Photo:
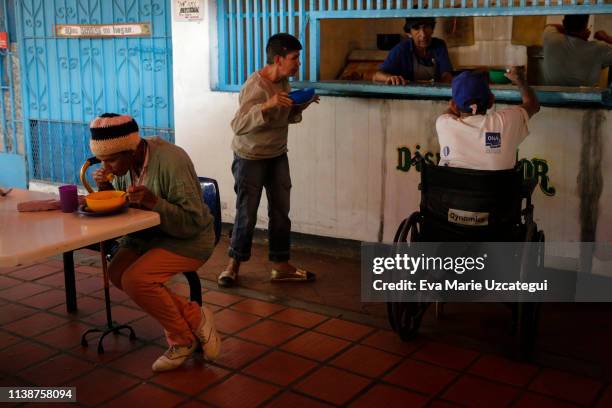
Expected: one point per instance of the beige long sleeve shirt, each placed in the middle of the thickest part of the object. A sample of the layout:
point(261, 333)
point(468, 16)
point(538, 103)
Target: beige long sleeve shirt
point(259, 135)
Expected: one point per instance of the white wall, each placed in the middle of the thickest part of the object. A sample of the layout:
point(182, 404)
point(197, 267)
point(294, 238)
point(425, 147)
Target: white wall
point(343, 155)
point(201, 117)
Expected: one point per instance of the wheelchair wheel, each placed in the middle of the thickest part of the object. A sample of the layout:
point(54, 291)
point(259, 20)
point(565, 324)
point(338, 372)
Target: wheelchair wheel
point(410, 225)
point(528, 312)
point(405, 317)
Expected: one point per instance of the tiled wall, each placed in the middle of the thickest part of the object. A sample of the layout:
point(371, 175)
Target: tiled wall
point(340, 37)
point(493, 45)
point(602, 22)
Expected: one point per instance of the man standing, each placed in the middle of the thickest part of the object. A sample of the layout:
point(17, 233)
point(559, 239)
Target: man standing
point(260, 127)
point(420, 58)
point(570, 59)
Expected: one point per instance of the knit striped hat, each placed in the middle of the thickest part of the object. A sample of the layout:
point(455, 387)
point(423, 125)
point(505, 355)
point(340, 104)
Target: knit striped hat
point(112, 133)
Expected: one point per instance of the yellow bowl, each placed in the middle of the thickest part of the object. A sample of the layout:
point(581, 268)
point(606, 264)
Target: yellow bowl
point(105, 200)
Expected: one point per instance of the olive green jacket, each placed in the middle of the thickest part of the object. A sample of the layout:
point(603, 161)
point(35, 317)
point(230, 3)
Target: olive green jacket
point(187, 227)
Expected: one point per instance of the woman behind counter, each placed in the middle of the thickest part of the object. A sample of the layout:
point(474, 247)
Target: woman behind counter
point(421, 57)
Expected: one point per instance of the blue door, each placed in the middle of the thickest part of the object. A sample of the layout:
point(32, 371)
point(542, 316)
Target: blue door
point(66, 82)
point(12, 140)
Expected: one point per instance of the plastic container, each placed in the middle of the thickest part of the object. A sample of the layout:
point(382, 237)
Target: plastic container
point(105, 200)
point(69, 198)
point(496, 76)
point(301, 96)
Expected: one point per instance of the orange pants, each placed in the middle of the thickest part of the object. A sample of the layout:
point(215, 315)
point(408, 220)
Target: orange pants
point(142, 278)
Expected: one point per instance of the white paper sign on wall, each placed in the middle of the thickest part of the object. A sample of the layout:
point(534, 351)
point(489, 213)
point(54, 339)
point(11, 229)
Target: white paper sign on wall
point(188, 10)
point(103, 30)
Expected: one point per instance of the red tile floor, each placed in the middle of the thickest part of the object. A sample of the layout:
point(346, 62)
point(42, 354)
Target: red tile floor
point(304, 345)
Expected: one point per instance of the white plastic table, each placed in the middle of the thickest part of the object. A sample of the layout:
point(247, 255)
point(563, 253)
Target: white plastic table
point(28, 237)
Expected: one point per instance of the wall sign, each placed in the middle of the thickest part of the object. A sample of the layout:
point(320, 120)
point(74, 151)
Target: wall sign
point(103, 30)
point(188, 10)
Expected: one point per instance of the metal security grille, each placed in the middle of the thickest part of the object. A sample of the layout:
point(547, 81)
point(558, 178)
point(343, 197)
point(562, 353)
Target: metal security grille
point(12, 140)
point(69, 81)
point(60, 148)
point(245, 25)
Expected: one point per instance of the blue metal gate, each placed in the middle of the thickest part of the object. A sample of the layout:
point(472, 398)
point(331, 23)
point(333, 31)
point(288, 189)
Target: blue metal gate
point(12, 145)
point(66, 82)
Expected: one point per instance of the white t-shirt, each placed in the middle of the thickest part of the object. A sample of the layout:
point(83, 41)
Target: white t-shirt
point(482, 142)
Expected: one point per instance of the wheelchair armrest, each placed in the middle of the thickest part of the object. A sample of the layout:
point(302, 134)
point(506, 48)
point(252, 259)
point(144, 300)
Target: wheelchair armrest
point(529, 186)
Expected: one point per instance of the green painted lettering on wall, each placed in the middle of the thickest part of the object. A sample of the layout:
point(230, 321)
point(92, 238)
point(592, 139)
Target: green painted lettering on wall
point(403, 158)
point(538, 169)
point(534, 168)
point(407, 159)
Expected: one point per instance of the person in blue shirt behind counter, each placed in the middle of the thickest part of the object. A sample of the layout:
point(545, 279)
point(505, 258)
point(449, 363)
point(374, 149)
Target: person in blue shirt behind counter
point(421, 57)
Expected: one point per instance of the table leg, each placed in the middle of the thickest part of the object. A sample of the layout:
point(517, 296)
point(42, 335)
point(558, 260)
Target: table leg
point(109, 318)
point(71, 301)
point(111, 327)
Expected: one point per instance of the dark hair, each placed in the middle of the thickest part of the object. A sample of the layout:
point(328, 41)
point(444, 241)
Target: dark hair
point(574, 23)
point(412, 22)
point(281, 44)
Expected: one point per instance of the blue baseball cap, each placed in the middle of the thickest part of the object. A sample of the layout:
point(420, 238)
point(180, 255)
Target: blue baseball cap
point(470, 86)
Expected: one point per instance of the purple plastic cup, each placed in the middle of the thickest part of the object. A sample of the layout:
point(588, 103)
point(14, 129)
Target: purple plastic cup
point(69, 198)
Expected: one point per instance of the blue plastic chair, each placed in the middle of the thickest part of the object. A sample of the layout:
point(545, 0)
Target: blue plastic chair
point(210, 195)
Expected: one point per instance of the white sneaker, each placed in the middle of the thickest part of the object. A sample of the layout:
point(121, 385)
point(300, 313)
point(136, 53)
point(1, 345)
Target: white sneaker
point(173, 357)
point(206, 332)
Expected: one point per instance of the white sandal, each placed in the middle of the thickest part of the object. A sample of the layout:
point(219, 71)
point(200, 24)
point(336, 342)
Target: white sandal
point(227, 279)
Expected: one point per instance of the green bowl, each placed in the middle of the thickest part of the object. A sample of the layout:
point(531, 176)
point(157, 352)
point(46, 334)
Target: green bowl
point(496, 76)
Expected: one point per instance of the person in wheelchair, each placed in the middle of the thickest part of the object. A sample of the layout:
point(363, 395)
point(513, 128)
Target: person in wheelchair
point(472, 137)
point(158, 176)
point(476, 192)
